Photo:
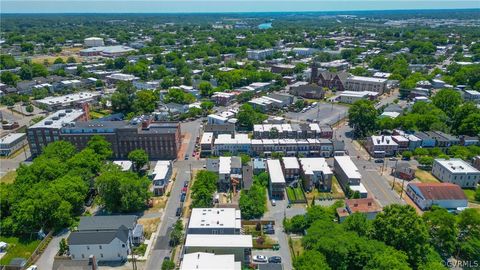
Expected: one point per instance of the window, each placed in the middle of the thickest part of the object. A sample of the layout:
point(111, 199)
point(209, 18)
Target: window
point(101, 255)
point(100, 246)
point(88, 247)
point(123, 245)
point(83, 256)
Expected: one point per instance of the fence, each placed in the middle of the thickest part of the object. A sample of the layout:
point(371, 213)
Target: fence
point(39, 250)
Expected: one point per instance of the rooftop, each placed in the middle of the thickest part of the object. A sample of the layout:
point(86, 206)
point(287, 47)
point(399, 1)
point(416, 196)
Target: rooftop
point(290, 163)
point(365, 205)
point(209, 261)
point(439, 191)
point(162, 167)
point(313, 165)
point(456, 165)
point(383, 140)
point(275, 171)
point(11, 137)
point(58, 119)
point(215, 218)
point(219, 240)
point(103, 223)
point(348, 167)
point(67, 99)
point(98, 237)
point(367, 79)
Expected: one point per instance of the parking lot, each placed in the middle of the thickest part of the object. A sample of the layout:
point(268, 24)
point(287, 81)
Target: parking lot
point(328, 113)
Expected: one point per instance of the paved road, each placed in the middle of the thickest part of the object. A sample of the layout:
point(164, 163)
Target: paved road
point(161, 249)
point(46, 259)
point(376, 183)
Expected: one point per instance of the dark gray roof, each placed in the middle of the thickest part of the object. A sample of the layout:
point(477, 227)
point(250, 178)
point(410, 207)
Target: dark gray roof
point(236, 162)
point(98, 237)
point(247, 176)
point(105, 223)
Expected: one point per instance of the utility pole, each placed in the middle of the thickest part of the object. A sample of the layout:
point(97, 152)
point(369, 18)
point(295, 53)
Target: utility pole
point(395, 171)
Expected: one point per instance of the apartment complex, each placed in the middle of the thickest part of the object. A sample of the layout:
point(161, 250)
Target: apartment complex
point(315, 172)
point(359, 83)
point(12, 142)
point(381, 146)
point(214, 221)
point(292, 131)
point(456, 171)
point(277, 179)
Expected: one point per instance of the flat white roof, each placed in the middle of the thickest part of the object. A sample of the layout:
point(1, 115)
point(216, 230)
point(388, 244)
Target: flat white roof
point(456, 165)
point(360, 188)
point(162, 167)
point(217, 117)
point(209, 261)
point(366, 79)
point(124, 164)
point(215, 218)
point(275, 171)
point(57, 119)
point(219, 240)
point(312, 165)
point(207, 138)
point(11, 137)
point(66, 99)
point(237, 139)
point(290, 163)
point(225, 165)
point(383, 140)
point(348, 167)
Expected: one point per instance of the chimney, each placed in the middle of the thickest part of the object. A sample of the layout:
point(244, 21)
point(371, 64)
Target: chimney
point(86, 110)
point(92, 262)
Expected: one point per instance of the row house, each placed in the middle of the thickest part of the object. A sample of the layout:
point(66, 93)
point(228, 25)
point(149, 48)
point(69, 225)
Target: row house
point(381, 146)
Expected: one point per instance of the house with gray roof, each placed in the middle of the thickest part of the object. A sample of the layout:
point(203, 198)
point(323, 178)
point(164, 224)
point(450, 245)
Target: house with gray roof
point(108, 238)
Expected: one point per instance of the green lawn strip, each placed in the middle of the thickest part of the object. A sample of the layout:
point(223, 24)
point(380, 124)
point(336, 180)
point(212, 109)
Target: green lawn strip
point(18, 248)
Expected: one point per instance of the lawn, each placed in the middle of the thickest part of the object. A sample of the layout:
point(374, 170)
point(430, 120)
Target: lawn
point(9, 177)
point(470, 193)
point(296, 246)
point(425, 177)
point(295, 194)
point(18, 248)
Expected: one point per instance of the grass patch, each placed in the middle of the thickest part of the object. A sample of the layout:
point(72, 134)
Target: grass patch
point(18, 248)
point(425, 177)
point(96, 115)
point(297, 247)
point(470, 193)
point(295, 194)
point(149, 225)
point(9, 177)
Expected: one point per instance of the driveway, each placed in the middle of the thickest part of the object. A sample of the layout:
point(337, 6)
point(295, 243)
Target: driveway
point(46, 259)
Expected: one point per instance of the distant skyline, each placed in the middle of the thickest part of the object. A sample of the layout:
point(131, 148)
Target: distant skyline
point(220, 6)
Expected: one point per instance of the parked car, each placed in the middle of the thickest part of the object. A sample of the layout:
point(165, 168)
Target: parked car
point(392, 159)
point(179, 211)
point(183, 197)
point(260, 258)
point(275, 259)
point(379, 161)
point(269, 229)
point(274, 203)
point(32, 267)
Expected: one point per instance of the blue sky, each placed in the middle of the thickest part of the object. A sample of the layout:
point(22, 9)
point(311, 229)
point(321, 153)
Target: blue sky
point(195, 6)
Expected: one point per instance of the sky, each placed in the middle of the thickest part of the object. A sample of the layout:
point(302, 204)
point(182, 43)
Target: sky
point(218, 6)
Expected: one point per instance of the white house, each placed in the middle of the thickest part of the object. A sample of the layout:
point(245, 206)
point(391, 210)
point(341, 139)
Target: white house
point(209, 261)
point(214, 221)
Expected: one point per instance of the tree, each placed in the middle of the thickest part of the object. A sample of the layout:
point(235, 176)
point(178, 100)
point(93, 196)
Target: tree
point(26, 72)
point(311, 260)
point(29, 108)
point(59, 60)
point(358, 223)
point(122, 191)
point(400, 227)
point(407, 155)
point(100, 146)
point(9, 78)
point(176, 235)
point(297, 224)
point(139, 158)
point(253, 202)
point(205, 88)
point(145, 101)
point(442, 228)
point(362, 116)
point(247, 116)
point(39, 70)
point(203, 188)
point(447, 100)
point(426, 161)
point(477, 195)
point(63, 246)
point(168, 265)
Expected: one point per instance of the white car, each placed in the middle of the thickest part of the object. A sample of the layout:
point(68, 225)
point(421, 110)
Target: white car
point(260, 258)
point(32, 267)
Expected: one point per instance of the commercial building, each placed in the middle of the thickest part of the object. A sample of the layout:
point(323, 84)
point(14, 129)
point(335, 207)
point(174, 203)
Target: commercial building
point(221, 244)
point(351, 97)
point(367, 206)
point(271, 101)
point(238, 143)
point(456, 171)
point(445, 195)
point(67, 101)
point(48, 130)
point(223, 98)
point(283, 68)
point(359, 83)
point(303, 89)
point(259, 54)
point(292, 131)
point(160, 140)
point(224, 221)
point(107, 51)
point(206, 144)
point(161, 176)
point(209, 261)
point(12, 142)
point(120, 77)
point(381, 146)
point(93, 42)
point(316, 173)
point(277, 179)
